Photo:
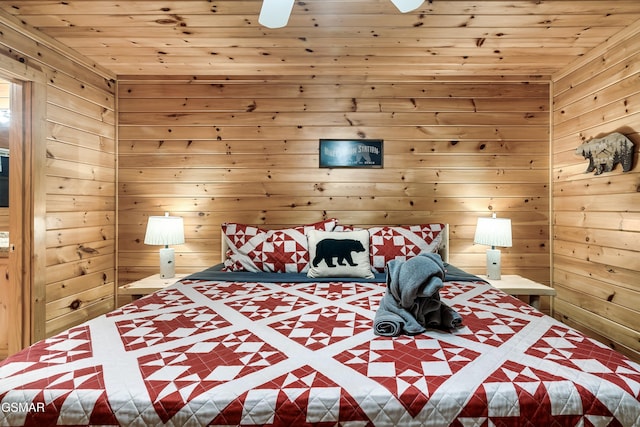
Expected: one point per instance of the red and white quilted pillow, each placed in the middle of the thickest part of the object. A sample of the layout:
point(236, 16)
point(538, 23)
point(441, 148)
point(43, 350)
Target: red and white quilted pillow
point(275, 251)
point(402, 242)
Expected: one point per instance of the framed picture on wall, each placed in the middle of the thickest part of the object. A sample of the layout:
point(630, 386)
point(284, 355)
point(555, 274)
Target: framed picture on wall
point(351, 153)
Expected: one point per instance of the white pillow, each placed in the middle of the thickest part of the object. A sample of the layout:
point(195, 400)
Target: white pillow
point(339, 254)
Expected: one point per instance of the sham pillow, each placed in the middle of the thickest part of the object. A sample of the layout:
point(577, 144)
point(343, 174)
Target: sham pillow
point(402, 242)
point(339, 254)
point(274, 251)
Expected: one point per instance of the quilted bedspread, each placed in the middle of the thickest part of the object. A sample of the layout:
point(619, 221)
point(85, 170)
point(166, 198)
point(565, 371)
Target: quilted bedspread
point(207, 352)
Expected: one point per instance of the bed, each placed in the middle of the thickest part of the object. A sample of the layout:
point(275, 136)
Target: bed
point(285, 349)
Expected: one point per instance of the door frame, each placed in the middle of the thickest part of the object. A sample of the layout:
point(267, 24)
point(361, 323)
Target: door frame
point(27, 204)
point(16, 295)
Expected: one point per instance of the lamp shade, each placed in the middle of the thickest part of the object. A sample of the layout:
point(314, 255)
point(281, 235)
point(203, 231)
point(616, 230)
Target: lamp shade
point(493, 232)
point(164, 230)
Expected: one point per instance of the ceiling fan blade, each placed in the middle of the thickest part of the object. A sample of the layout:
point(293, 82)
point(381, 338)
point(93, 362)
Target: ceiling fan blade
point(405, 6)
point(275, 13)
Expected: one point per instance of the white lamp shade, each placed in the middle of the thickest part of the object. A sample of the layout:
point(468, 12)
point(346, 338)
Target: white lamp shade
point(405, 6)
point(275, 13)
point(164, 230)
point(493, 232)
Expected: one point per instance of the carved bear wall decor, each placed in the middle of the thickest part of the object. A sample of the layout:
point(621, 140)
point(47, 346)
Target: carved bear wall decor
point(606, 152)
point(328, 249)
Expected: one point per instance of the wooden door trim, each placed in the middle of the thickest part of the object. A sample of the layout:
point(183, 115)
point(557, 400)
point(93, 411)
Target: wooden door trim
point(16, 295)
point(36, 159)
point(27, 229)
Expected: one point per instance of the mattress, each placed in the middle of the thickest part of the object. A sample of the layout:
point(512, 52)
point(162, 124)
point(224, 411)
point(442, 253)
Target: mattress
point(220, 351)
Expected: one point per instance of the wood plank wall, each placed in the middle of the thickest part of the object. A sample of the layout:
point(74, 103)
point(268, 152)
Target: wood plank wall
point(80, 194)
point(246, 150)
point(597, 218)
point(81, 198)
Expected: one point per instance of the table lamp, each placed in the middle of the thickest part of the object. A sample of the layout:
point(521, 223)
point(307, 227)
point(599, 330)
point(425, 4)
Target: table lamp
point(165, 230)
point(493, 232)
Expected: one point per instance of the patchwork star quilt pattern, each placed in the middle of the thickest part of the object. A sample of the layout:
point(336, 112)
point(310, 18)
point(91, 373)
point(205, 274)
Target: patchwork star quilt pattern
point(211, 352)
point(255, 249)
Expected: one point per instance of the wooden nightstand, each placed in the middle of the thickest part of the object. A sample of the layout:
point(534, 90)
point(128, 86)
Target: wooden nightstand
point(148, 285)
point(518, 285)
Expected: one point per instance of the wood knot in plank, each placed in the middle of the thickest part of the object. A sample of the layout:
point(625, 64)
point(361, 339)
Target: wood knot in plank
point(88, 250)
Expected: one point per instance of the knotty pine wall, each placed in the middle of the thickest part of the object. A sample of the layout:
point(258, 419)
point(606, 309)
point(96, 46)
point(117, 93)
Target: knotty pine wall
point(75, 199)
point(597, 218)
point(81, 199)
point(246, 150)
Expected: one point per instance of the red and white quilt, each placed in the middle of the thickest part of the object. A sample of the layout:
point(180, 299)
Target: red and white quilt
point(292, 354)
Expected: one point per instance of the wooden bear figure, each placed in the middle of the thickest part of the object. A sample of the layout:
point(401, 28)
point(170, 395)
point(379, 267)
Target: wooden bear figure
point(606, 152)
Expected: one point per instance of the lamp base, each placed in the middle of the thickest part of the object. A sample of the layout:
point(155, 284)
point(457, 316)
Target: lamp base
point(493, 264)
point(167, 263)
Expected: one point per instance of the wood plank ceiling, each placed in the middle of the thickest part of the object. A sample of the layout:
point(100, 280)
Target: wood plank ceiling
point(329, 37)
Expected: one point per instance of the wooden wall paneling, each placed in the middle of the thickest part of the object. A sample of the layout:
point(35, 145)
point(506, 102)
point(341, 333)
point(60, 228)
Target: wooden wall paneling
point(597, 218)
point(80, 179)
point(74, 206)
point(246, 150)
point(4, 219)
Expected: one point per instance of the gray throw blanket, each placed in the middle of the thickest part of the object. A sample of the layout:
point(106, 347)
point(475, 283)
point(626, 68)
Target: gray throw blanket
point(411, 303)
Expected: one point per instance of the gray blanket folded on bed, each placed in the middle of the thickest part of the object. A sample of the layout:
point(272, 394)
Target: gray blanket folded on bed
point(411, 303)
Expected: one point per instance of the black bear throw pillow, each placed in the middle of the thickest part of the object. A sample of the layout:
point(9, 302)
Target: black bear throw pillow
point(339, 254)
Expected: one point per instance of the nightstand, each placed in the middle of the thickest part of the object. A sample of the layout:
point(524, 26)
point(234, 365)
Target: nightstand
point(518, 285)
point(148, 285)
